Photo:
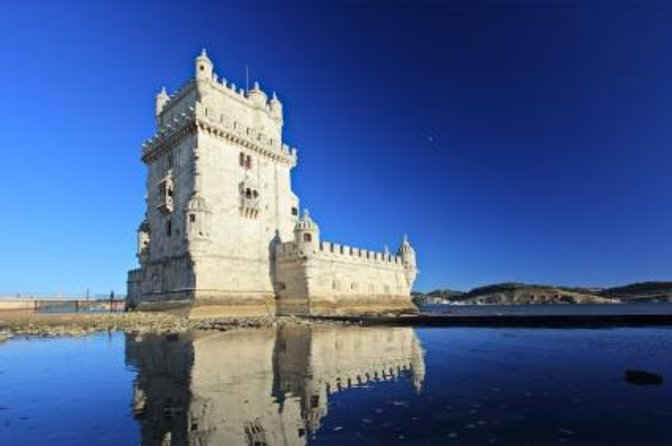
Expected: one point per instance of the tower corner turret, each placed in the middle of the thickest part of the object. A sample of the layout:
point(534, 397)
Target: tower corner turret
point(204, 67)
point(276, 108)
point(257, 97)
point(407, 254)
point(307, 233)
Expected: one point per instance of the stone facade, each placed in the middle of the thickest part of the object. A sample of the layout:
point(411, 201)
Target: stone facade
point(222, 225)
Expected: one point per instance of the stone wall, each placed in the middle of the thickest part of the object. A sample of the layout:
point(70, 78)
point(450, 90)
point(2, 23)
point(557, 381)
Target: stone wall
point(328, 278)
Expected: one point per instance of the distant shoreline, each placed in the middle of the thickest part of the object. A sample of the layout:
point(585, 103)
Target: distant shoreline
point(514, 293)
point(31, 324)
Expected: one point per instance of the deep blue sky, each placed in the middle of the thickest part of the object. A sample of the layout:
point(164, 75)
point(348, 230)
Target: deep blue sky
point(522, 141)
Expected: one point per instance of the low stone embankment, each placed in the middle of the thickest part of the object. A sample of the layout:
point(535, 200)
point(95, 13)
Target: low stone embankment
point(19, 323)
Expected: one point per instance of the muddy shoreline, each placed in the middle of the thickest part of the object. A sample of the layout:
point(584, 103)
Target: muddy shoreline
point(28, 323)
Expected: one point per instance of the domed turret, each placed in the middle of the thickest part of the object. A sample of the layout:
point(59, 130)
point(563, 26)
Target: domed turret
point(161, 99)
point(306, 231)
point(143, 242)
point(204, 66)
point(197, 216)
point(257, 97)
point(276, 108)
point(407, 254)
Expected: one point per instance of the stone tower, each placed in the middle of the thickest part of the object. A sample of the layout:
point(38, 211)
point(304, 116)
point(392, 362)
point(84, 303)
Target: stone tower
point(222, 227)
point(218, 190)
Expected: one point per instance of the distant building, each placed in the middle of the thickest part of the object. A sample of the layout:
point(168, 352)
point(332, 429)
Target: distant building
point(222, 225)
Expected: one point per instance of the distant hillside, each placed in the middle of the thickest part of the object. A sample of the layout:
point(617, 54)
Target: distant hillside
point(644, 291)
point(521, 293)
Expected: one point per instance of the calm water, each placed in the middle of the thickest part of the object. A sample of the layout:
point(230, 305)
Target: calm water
point(550, 309)
point(339, 385)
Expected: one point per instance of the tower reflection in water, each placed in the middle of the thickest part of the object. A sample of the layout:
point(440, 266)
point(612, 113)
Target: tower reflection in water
point(259, 386)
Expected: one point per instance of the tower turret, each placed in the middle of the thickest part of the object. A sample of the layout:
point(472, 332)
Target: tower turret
point(257, 97)
point(407, 254)
point(161, 99)
point(197, 216)
point(143, 242)
point(307, 233)
point(204, 66)
point(276, 108)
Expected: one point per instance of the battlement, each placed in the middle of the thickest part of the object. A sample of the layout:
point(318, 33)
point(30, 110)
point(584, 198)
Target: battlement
point(222, 86)
point(334, 250)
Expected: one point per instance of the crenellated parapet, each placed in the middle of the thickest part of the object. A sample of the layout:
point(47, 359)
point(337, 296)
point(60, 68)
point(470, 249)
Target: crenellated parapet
point(336, 251)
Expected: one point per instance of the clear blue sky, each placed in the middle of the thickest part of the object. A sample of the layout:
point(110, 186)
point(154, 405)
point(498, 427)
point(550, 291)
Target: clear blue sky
point(523, 141)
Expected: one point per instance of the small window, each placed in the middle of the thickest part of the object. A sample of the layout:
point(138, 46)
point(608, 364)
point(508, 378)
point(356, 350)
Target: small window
point(295, 211)
point(169, 228)
point(201, 67)
point(248, 162)
point(192, 218)
point(241, 159)
point(307, 237)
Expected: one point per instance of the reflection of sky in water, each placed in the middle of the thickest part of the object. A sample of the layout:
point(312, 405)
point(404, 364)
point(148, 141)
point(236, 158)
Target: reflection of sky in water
point(66, 391)
point(480, 385)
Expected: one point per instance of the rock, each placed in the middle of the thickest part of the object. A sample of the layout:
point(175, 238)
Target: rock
point(643, 378)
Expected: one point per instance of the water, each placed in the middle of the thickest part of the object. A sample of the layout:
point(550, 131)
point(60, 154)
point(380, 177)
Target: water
point(631, 309)
point(339, 385)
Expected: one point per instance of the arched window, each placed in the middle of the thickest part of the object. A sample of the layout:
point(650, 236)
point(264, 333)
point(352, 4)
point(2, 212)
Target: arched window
point(248, 162)
point(307, 238)
point(242, 159)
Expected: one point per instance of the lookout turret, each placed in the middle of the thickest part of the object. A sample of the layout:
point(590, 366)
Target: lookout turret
point(161, 99)
point(204, 67)
point(306, 232)
point(407, 254)
point(257, 97)
point(276, 108)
